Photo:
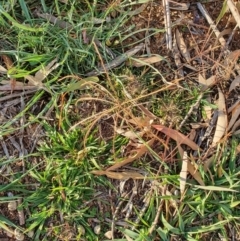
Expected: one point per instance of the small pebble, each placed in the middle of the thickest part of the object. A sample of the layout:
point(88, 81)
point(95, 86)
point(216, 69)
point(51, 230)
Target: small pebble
point(108, 235)
point(18, 235)
point(30, 234)
point(97, 229)
point(12, 206)
point(81, 230)
point(176, 192)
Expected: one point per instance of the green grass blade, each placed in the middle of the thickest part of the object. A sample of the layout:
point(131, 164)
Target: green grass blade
point(215, 188)
point(25, 10)
point(18, 25)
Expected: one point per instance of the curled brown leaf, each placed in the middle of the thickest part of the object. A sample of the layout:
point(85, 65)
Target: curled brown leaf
point(177, 136)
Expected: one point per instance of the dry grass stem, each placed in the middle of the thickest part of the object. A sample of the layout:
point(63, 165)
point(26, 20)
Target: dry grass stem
point(211, 23)
point(234, 11)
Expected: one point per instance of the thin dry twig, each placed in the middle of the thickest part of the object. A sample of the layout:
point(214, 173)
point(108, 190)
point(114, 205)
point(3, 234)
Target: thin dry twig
point(211, 23)
point(20, 213)
point(207, 133)
point(192, 109)
point(167, 21)
point(21, 94)
point(124, 196)
point(156, 219)
point(146, 201)
point(234, 11)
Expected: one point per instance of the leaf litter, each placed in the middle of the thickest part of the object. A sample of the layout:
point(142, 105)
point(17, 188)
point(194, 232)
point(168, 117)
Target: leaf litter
point(222, 119)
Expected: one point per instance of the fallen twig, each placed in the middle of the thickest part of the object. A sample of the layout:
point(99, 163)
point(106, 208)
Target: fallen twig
point(157, 217)
point(167, 21)
point(21, 94)
point(208, 131)
point(211, 23)
point(234, 11)
point(20, 213)
point(192, 109)
point(124, 196)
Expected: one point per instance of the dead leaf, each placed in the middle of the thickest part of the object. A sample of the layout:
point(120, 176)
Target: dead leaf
point(208, 163)
point(224, 32)
point(141, 122)
point(235, 115)
point(235, 126)
point(147, 112)
point(9, 64)
point(236, 132)
point(139, 62)
point(192, 134)
point(182, 46)
point(42, 73)
point(206, 83)
point(222, 119)
point(3, 70)
point(190, 67)
point(230, 109)
point(177, 56)
point(230, 62)
point(235, 83)
point(144, 148)
point(130, 134)
point(120, 175)
point(177, 136)
point(211, 81)
point(232, 57)
point(184, 172)
point(195, 174)
point(201, 80)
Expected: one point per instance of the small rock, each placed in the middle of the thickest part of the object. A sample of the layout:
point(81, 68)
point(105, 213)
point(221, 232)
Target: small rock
point(108, 235)
point(12, 206)
point(18, 235)
point(97, 229)
point(176, 192)
point(30, 234)
point(81, 230)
